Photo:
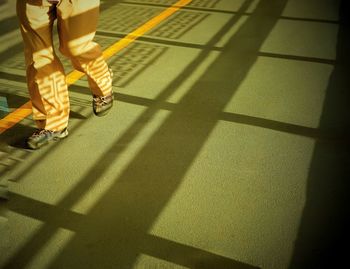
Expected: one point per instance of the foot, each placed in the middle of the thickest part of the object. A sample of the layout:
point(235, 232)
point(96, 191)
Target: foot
point(42, 137)
point(102, 104)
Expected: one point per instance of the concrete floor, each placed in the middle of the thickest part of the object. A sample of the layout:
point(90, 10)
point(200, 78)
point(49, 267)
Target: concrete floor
point(227, 147)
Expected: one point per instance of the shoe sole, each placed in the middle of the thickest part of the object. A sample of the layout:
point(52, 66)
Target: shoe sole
point(56, 138)
point(62, 135)
point(104, 112)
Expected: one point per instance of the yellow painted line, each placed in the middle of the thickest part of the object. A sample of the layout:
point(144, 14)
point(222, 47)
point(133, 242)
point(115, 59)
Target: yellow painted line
point(16, 116)
point(25, 110)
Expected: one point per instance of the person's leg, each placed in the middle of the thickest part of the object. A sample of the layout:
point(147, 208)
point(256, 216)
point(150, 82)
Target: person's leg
point(45, 75)
point(77, 22)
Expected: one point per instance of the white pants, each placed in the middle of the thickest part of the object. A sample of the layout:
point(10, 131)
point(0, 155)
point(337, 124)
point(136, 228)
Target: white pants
point(76, 25)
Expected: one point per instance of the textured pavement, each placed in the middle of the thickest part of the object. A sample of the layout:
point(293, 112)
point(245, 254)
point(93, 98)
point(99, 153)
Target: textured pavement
point(227, 147)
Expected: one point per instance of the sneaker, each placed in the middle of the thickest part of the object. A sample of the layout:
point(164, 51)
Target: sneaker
point(102, 104)
point(42, 137)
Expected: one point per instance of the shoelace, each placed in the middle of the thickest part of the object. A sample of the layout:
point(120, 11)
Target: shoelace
point(40, 132)
point(56, 1)
point(102, 100)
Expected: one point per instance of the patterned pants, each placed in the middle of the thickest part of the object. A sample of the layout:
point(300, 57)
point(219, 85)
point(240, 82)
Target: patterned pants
point(76, 26)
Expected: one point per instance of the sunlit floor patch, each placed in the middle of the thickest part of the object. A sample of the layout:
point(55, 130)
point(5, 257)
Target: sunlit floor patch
point(237, 205)
point(51, 249)
point(144, 262)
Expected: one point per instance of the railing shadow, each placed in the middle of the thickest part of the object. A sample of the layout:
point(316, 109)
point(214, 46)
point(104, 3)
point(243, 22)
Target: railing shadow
point(326, 181)
point(118, 223)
